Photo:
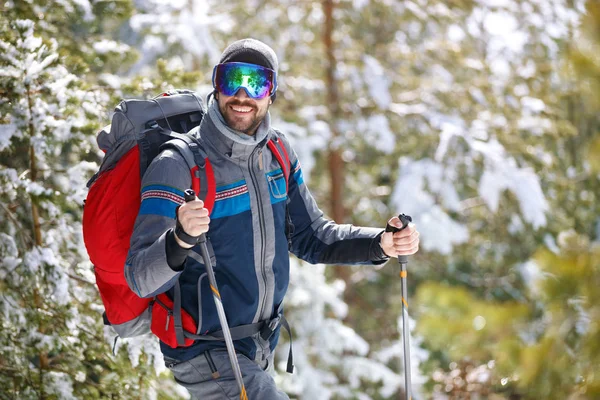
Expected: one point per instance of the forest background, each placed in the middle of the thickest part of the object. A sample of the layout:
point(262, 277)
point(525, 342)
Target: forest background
point(477, 117)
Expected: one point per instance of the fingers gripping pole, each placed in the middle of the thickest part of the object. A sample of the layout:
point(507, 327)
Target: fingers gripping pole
point(190, 195)
point(403, 261)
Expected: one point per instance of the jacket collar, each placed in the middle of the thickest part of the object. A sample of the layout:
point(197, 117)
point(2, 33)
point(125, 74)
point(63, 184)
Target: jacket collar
point(228, 142)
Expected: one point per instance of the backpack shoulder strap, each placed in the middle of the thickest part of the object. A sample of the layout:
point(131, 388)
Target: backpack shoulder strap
point(279, 151)
point(277, 147)
point(202, 174)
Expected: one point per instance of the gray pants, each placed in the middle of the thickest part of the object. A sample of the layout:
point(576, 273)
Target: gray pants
point(210, 377)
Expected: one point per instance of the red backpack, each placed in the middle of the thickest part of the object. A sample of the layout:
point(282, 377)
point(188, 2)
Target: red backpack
point(140, 129)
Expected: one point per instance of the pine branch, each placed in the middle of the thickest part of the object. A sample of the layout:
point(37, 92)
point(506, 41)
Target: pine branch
point(26, 239)
point(15, 373)
point(79, 279)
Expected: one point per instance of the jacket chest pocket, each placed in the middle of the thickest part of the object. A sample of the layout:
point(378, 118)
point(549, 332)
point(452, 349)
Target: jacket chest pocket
point(277, 186)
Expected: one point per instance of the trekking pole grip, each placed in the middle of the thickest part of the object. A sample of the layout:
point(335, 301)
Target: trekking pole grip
point(189, 195)
point(405, 219)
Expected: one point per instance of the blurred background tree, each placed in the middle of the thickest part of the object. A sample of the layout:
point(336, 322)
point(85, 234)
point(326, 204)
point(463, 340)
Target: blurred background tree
point(551, 125)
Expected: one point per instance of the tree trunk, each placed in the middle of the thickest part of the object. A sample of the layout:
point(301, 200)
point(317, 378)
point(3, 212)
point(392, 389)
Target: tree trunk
point(37, 238)
point(35, 216)
point(335, 162)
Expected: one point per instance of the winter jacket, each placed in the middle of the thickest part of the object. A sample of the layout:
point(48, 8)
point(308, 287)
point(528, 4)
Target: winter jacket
point(247, 235)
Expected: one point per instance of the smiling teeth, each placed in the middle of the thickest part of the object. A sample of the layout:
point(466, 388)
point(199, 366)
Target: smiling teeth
point(242, 109)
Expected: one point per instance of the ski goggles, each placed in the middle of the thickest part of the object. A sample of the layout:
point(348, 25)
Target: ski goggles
point(258, 82)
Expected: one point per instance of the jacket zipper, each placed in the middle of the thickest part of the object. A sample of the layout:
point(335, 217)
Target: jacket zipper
point(275, 177)
point(261, 224)
point(169, 313)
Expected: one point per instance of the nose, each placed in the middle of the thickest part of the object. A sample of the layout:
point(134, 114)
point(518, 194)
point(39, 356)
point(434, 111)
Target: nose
point(241, 93)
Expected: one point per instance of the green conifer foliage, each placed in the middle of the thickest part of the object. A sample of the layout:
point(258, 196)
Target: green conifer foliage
point(53, 344)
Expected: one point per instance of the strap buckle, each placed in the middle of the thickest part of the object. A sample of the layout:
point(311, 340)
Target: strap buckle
point(269, 328)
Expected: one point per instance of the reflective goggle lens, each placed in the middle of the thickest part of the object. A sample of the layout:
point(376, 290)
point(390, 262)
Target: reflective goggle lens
point(259, 82)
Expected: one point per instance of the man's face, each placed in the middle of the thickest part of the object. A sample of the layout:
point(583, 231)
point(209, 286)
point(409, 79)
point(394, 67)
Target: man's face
point(242, 112)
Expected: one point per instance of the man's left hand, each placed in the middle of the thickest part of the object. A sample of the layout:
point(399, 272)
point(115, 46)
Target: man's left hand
point(402, 243)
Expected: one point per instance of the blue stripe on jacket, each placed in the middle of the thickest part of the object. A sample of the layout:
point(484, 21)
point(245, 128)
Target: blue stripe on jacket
point(297, 173)
point(164, 202)
point(230, 205)
point(166, 208)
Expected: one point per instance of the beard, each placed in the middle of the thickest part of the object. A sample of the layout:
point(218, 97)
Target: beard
point(244, 122)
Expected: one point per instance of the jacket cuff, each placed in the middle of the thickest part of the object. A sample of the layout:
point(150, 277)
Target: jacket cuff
point(176, 254)
point(376, 253)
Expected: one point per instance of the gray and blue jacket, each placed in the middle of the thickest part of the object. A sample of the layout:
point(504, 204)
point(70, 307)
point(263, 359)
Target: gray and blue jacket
point(247, 235)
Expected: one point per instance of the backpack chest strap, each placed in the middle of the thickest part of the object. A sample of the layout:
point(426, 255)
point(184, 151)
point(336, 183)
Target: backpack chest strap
point(201, 171)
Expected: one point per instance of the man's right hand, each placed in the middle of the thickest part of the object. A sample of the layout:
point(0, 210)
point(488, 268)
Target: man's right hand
point(194, 220)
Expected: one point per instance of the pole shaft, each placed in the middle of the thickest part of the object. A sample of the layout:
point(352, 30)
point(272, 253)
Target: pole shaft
point(405, 332)
point(223, 319)
point(403, 261)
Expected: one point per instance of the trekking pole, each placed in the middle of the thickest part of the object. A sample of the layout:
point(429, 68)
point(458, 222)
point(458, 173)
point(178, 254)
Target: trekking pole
point(190, 195)
point(403, 260)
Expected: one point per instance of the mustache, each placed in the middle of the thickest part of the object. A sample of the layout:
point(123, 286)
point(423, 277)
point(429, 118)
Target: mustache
point(240, 103)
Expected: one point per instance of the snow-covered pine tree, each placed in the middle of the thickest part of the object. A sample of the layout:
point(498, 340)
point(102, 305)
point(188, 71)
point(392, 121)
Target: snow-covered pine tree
point(332, 360)
point(52, 338)
point(44, 334)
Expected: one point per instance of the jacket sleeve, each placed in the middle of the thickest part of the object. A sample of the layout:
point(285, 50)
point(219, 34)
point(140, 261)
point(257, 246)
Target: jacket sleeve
point(317, 239)
point(147, 269)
